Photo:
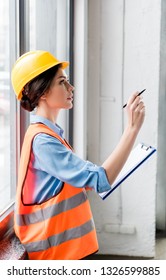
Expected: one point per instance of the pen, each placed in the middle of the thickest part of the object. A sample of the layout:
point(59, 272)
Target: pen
point(137, 95)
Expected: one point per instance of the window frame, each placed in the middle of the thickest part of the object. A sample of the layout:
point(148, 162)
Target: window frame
point(6, 213)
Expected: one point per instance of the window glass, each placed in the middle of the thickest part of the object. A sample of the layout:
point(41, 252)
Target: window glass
point(49, 26)
point(9, 118)
point(5, 193)
point(49, 30)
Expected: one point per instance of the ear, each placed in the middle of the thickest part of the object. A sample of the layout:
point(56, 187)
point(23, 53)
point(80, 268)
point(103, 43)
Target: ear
point(43, 97)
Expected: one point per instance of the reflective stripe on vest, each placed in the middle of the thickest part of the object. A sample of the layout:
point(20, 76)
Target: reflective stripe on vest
point(57, 239)
point(51, 211)
point(59, 228)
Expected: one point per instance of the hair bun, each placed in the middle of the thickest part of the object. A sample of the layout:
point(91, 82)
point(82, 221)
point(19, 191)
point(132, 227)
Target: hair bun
point(26, 105)
point(26, 102)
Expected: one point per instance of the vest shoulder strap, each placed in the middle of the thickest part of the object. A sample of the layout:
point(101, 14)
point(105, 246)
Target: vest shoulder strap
point(31, 132)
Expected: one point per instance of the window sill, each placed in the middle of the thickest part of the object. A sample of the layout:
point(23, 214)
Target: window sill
point(10, 246)
point(12, 249)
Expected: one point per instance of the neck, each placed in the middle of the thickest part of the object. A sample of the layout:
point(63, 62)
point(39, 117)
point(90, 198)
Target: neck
point(48, 114)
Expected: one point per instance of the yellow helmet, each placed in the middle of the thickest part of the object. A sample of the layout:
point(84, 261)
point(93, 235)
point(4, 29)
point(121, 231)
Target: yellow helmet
point(29, 66)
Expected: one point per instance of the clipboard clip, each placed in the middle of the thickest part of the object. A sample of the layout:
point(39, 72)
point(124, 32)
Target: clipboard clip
point(145, 147)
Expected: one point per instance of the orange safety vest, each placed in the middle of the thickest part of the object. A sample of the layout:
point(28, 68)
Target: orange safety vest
point(61, 227)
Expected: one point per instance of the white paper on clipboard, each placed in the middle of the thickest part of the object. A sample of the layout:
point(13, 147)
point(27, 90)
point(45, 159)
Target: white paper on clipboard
point(137, 156)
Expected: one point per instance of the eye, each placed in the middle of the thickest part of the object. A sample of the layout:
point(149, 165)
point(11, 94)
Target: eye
point(62, 82)
point(65, 82)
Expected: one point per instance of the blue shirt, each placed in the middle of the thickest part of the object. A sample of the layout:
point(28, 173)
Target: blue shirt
point(54, 164)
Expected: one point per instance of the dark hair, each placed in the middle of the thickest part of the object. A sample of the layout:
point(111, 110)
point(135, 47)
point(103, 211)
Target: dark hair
point(34, 89)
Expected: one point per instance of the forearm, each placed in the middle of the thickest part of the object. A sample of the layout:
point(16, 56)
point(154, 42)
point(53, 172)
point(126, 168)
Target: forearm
point(136, 113)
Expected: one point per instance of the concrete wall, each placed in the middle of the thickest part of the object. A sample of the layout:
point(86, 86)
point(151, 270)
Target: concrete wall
point(123, 56)
point(161, 162)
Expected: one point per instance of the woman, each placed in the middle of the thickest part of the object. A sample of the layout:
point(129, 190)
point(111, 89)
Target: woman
point(53, 219)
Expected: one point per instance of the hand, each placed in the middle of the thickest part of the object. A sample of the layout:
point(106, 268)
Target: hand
point(136, 111)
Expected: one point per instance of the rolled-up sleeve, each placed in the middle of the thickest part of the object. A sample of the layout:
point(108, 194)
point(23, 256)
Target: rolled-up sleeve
point(52, 157)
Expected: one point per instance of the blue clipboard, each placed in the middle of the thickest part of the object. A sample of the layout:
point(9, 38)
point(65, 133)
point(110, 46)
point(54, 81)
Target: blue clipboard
point(136, 158)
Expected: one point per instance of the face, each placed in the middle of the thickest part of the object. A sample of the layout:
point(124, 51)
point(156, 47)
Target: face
point(60, 94)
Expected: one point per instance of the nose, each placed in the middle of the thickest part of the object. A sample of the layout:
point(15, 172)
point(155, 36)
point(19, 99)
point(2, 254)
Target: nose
point(69, 86)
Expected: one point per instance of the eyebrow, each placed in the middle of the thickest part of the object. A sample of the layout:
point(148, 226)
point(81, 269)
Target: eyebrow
point(64, 77)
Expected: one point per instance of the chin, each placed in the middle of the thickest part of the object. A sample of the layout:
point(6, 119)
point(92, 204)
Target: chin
point(70, 106)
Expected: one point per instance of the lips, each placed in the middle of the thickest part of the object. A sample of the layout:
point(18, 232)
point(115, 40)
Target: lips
point(70, 98)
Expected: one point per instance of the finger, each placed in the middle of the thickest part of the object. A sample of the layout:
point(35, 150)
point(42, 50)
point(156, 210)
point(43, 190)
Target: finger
point(132, 98)
point(135, 103)
point(140, 106)
point(140, 111)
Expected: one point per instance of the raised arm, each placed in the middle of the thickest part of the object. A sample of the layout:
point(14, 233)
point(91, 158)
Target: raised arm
point(136, 113)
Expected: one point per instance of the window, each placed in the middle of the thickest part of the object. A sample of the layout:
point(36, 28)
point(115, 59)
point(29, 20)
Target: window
point(24, 25)
point(7, 112)
point(4, 104)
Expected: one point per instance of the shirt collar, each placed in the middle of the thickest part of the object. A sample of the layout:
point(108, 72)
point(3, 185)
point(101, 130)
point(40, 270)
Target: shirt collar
point(55, 127)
